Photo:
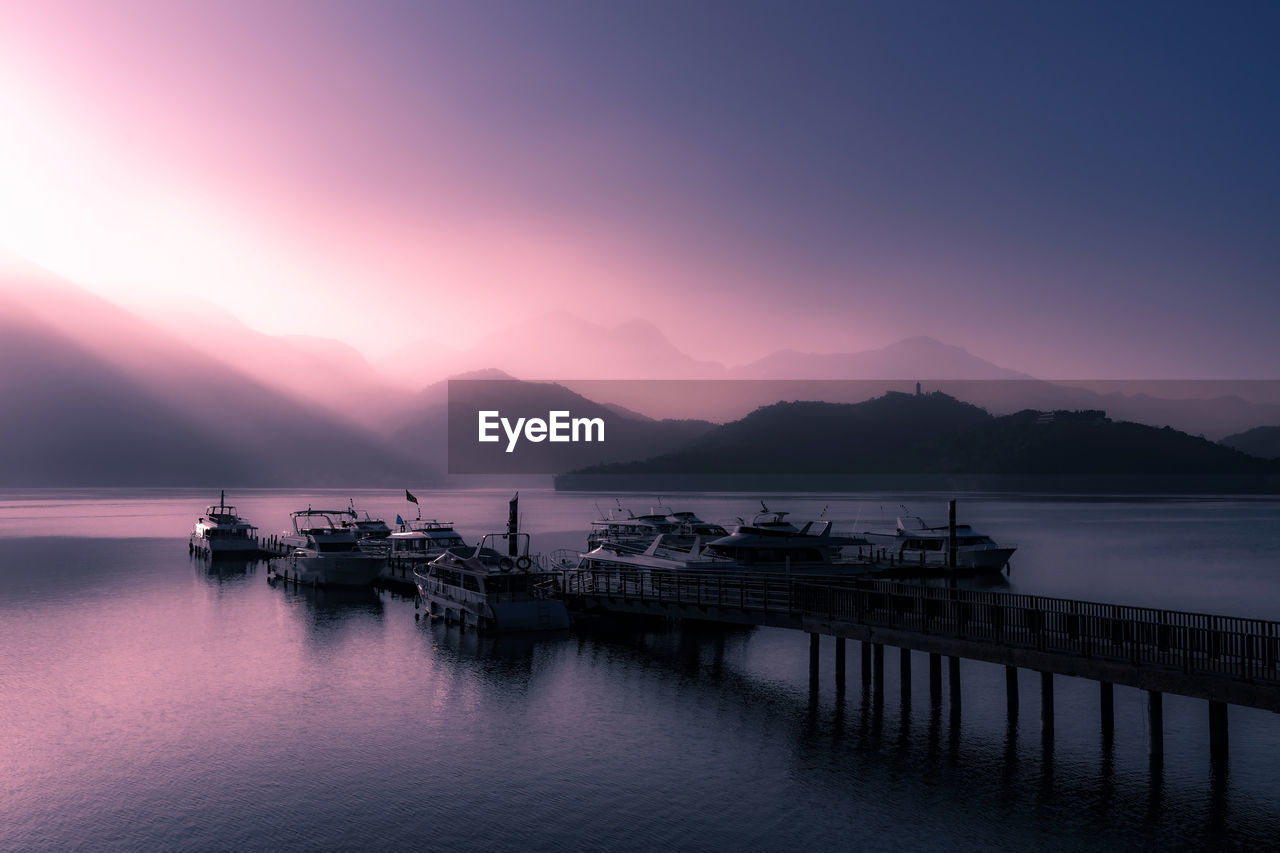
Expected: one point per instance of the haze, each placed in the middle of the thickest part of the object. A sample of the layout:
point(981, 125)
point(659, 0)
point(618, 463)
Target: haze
point(1067, 189)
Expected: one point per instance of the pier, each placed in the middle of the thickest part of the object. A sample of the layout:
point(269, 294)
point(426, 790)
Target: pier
point(1222, 660)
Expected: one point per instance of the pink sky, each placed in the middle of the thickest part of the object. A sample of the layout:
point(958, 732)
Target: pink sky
point(385, 172)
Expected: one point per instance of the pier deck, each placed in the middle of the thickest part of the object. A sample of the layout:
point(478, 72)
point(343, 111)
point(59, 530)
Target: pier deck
point(1225, 660)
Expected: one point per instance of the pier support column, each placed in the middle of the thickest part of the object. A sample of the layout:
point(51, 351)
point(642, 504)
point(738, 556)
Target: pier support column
point(1011, 691)
point(1107, 693)
point(813, 657)
point(1155, 723)
point(866, 663)
point(877, 652)
point(1046, 702)
point(904, 674)
point(1218, 730)
point(953, 676)
point(839, 661)
point(935, 679)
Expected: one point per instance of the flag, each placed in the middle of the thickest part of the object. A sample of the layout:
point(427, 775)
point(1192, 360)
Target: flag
point(399, 520)
point(408, 495)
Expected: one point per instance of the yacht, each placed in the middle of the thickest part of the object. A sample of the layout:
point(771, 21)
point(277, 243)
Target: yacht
point(422, 540)
point(222, 532)
point(773, 543)
point(492, 588)
point(324, 551)
point(620, 524)
point(368, 530)
point(914, 542)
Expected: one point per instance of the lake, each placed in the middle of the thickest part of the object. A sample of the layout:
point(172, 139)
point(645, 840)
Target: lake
point(151, 700)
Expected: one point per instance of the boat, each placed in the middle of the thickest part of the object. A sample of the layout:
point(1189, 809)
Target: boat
point(368, 530)
point(422, 540)
point(621, 525)
point(492, 589)
point(773, 543)
point(324, 552)
point(221, 532)
point(913, 542)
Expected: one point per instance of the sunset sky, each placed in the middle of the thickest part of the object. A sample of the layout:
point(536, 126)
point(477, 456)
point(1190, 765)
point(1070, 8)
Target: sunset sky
point(1069, 189)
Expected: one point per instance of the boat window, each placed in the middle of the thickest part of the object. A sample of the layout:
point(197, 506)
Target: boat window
point(470, 582)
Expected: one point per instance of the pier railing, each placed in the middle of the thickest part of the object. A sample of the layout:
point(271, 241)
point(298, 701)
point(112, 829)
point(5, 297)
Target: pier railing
point(1246, 649)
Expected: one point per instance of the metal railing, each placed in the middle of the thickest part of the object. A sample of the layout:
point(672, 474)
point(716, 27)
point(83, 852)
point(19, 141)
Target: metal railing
point(1247, 649)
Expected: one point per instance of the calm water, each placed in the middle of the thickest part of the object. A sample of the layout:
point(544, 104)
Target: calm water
point(148, 701)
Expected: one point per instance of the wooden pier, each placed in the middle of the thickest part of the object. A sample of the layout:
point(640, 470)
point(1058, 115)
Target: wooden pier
point(1222, 660)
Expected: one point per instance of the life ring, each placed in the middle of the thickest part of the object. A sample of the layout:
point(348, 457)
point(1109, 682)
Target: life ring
point(523, 563)
point(505, 564)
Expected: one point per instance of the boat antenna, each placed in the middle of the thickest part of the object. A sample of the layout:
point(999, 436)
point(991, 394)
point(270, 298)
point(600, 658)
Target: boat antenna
point(596, 504)
point(763, 508)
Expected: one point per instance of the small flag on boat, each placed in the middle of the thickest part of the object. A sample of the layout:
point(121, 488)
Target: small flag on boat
point(408, 495)
point(399, 520)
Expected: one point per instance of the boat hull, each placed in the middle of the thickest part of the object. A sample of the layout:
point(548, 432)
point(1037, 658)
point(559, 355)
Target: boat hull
point(225, 546)
point(539, 614)
point(350, 569)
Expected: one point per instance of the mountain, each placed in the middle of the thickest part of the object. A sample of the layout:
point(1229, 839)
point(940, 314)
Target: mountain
point(1263, 442)
point(917, 358)
point(445, 425)
point(96, 396)
point(904, 437)
point(320, 371)
point(559, 345)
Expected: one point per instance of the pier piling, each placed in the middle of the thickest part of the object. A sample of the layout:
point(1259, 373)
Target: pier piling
point(1011, 690)
point(877, 668)
point(1155, 723)
point(1218, 730)
point(1107, 697)
point(904, 674)
point(1046, 703)
point(935, 679)
point(953, 677)
point(866, 663)
point(840, 661)
point(813, 657)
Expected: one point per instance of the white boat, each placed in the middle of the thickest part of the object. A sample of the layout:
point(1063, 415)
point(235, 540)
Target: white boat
point(221, 532)
point(621, 525)
point(324, 552)
point(368, 530)
point(915, 543)
point(422, 540)
point(772, 543)
point(492, 589)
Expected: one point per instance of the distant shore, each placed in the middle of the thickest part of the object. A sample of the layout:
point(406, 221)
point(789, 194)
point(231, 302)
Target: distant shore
point(1213, 484)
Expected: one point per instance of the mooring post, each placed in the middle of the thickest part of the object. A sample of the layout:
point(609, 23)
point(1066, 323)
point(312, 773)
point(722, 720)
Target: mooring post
point(935, 679)
point(1046, 702)
point(877, 652)
point(951, 533)
point(1155, 723)
point(1218, 730)
point(1011, 690)
point(953, 676)
point(866, 663)
point(904, 673)
point(813, 657)
point(840, 661)
point(1107, 693)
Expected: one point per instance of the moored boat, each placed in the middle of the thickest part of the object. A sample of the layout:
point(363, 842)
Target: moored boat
point(915, 543)
point(492, 590)
point(324, 552)
point(221, 532)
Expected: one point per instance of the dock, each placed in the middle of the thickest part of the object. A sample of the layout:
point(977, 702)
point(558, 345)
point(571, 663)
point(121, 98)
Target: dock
point(1222, 660)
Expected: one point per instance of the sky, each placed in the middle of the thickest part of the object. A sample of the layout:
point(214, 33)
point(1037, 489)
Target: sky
point(1068, 189)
